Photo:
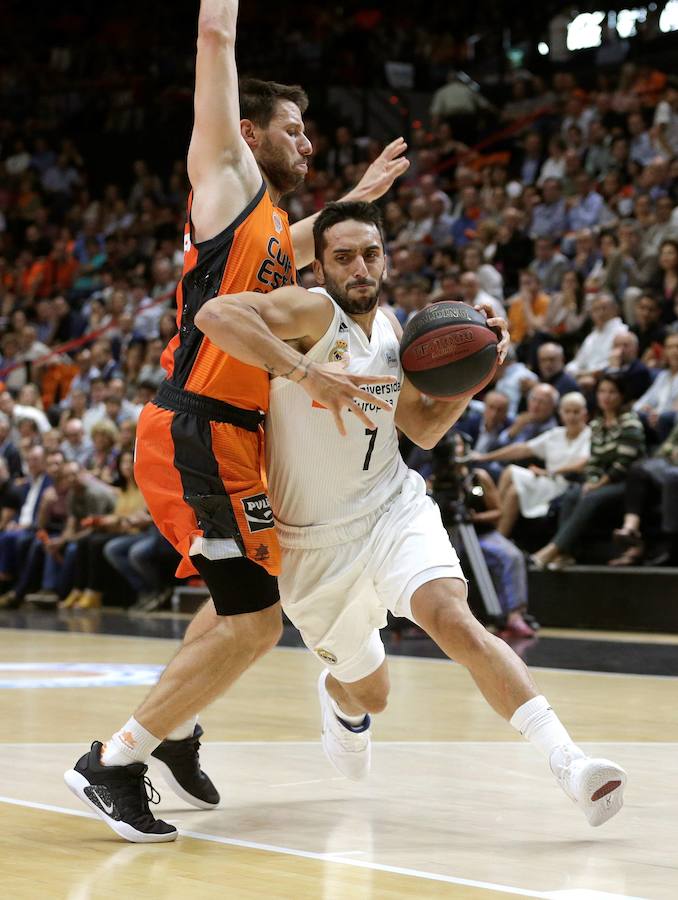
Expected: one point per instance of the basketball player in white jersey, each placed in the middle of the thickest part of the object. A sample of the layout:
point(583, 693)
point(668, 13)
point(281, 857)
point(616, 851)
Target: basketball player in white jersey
point(359, 534)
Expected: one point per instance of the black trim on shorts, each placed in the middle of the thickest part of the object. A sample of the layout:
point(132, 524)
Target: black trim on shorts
point(203, 488)
point(177, 399)
point(237, 585)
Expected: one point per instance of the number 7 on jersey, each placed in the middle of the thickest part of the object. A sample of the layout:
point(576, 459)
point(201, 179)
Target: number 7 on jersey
point(372, 433)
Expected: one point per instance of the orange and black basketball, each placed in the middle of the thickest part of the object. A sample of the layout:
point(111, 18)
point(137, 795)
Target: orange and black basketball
point(447, 350)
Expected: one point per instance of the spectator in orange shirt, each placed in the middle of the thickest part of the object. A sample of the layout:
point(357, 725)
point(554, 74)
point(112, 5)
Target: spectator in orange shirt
point(526, 314)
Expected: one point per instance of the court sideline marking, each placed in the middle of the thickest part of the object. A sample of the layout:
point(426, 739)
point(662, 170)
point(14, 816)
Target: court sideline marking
point(346, 861)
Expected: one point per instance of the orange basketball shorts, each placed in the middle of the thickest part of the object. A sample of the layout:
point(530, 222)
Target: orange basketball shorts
point(204, 484)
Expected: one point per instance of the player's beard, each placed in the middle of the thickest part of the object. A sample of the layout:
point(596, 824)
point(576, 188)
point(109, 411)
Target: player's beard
point(274, 164)
point(353, 304)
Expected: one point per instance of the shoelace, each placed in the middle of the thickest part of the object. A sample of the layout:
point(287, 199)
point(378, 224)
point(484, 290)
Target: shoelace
point(153, 797)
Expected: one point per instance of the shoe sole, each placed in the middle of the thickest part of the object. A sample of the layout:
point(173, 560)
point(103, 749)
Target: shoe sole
point(77, 783)
point(180, 791)
point(604, 792)
point(322, 693)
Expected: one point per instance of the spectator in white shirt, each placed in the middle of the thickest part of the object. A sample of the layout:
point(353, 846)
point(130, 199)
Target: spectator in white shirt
point(659, 404)
point(593, 355)
point(473, 294)
point(17, 411)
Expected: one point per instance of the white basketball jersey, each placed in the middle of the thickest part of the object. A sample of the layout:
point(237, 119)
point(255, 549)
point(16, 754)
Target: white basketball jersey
point(316, 476)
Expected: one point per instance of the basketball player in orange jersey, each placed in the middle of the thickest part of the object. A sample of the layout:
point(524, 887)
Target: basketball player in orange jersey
point(199, 459)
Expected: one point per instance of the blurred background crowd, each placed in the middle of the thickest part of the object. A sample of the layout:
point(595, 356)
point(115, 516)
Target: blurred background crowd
point(549, 191)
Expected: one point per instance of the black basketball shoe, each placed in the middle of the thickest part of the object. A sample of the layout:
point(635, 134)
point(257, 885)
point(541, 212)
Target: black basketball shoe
point(179, 763)
point(117, 794)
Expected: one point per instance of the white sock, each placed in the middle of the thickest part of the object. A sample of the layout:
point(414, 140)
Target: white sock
point(184, 730)
point(340, 714)
point(129, 745)
point(538, 724)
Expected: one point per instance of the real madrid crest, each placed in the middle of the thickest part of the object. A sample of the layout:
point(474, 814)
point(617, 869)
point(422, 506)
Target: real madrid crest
point(326, 656)
point(338, 351)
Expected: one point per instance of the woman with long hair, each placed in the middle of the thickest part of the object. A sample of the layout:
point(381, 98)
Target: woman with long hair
point(617, 441)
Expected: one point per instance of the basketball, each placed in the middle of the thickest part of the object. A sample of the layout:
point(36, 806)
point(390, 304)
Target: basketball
point(448, 351)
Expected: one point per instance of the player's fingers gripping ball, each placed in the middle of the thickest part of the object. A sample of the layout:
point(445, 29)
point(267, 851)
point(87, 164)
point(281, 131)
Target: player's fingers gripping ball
point(448, 350)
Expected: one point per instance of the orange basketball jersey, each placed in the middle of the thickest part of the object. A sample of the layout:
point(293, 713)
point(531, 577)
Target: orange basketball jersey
point(253, 254)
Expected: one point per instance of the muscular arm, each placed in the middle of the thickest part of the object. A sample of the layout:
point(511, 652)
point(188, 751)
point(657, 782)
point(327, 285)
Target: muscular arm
point(254, 327)
point(423, 419)
point(221, 167)
point(378, 178)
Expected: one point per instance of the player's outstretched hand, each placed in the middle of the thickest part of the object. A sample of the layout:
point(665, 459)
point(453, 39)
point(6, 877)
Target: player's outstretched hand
point(389, 165)
point(337, 390)
point(498, 324)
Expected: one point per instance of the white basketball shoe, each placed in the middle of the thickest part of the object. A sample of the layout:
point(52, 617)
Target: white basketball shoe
point(595, 785)
point(346, 746)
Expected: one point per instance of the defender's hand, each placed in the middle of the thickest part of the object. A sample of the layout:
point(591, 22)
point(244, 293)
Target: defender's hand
point(337, 390)
point(389, 165)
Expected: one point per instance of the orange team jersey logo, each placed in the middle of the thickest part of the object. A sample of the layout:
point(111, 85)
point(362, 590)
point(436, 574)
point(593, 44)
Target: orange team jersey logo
point(254, 253)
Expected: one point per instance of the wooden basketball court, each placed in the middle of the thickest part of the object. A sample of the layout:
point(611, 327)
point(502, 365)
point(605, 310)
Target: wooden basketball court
point(456, 806)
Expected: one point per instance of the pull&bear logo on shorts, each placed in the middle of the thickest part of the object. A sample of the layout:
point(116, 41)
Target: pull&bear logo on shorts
point(258, 512)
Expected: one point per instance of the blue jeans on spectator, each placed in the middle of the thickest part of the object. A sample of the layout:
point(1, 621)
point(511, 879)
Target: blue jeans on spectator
point(118, 554)
point(506, 564)
point(14, 546)
point(58, 575)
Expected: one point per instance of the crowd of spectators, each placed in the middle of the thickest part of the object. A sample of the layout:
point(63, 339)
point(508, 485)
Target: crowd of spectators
point(569, 228)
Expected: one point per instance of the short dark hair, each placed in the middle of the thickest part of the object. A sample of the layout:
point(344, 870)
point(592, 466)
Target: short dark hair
point(333, 213)
point(258, 99)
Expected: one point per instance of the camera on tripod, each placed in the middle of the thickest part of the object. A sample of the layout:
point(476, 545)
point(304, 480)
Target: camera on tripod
point(450, 477)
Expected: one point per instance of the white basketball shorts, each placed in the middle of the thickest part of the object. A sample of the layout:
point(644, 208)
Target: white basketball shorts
point(337, 583)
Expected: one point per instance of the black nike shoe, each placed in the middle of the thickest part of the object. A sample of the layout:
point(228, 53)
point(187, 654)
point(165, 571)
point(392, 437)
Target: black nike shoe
point(179, 763)
point(117, 794)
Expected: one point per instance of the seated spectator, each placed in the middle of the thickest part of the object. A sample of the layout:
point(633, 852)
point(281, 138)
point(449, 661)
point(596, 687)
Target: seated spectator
point(75, 445)
point(8, 450)
point(17, 411)
point(564, 451)
point(648, 329)
point(16, 539)
point(489, 279)
point(567, 314)
point(549, 265)
point(10, 496)
point(539, 416)
point(617, 441)
point(495, 418)
point(551, 368)
point(527, 311)
point(549, 218)
point(148, 566)
point(624, 362)
point(657, 407)
point(514, 380)
point(102, 460)
point(586, 256)
point(473, 294)
point(663, 280)
point(585, 206)
point(128, 517)
point(592, 357)
point(650, 481)
point(513, 248)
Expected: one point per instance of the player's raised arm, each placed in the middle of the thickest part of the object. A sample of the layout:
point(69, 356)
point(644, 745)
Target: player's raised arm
point(377, 180)
point(221, 167)
point(254, 328)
